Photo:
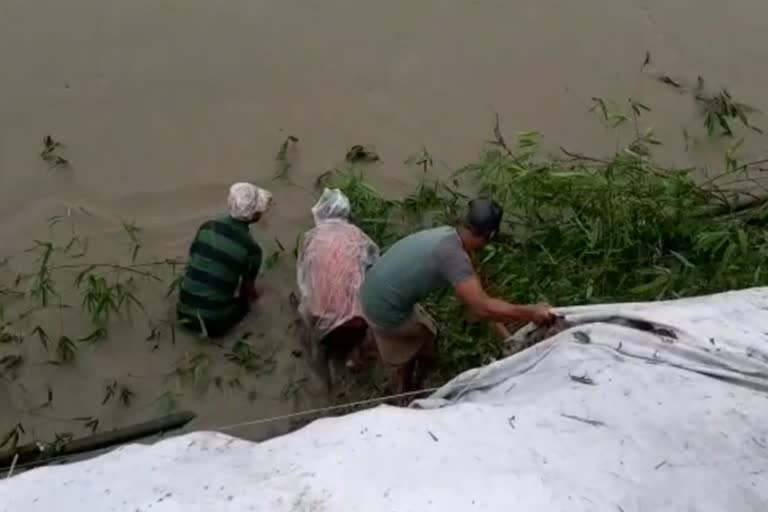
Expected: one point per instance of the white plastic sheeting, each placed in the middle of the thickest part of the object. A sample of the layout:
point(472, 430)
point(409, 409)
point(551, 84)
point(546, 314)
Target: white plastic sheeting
point(600, 417)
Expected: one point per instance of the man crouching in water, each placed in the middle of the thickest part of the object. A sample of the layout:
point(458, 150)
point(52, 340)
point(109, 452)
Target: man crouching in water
point(423, 263)
point(224, 260)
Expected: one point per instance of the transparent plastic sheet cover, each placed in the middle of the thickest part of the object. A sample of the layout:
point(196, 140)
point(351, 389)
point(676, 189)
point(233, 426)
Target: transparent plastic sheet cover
point(332, 260)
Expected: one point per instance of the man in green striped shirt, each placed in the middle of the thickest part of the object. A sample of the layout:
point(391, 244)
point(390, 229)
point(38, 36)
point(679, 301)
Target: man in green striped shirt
point(224, 260)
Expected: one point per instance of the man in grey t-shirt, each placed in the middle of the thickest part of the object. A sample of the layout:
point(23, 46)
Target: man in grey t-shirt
point(423, 263)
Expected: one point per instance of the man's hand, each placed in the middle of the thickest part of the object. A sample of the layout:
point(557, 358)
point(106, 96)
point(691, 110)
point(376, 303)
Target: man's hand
point(471, 293)
point(501, 330)
point(541, 314)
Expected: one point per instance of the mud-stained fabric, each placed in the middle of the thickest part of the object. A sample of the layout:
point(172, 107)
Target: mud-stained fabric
point(399, 345)
point(222, 257)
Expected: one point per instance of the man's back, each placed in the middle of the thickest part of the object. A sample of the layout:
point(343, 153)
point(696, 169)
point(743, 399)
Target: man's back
point(221, 258)
point(410, 270)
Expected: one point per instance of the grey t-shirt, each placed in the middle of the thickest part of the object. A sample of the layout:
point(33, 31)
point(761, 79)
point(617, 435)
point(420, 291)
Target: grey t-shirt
point(410, 270)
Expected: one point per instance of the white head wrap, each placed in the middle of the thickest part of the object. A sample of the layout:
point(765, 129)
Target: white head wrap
point(333, 204)
point(246, 200)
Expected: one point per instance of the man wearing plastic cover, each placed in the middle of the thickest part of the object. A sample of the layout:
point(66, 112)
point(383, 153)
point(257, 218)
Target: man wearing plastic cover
point(224, 260)
point(423, 263)
point(332, 260)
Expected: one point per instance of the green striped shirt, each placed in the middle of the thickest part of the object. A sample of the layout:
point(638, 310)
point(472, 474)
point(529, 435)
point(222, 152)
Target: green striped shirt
point(222, 257)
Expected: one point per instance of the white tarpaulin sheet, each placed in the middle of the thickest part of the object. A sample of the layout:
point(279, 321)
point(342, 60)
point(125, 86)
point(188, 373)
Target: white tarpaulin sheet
point(600, 417)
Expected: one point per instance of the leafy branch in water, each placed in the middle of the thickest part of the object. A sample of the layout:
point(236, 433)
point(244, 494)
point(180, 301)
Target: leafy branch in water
point(719, 110)
point(421, 159)
point(244, 355)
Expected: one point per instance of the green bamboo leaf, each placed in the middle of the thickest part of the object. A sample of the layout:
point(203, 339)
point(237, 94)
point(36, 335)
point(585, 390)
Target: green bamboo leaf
point(9, 365)
point(109, 392)
point(42, 336)
point(126, 396)
point(95, 337)
point(682, 259)
point(651, 287)
point(743, 240)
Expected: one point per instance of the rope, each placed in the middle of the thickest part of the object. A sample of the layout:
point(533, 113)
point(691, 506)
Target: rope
point(311, 412)
point(260, 421)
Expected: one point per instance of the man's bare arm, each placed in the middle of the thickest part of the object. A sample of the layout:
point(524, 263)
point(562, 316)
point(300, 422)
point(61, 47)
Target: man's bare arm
point(471, 293)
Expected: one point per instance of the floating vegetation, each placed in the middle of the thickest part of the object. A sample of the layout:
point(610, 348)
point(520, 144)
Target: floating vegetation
point(194, 372)
point(123, 393)
point(720, 110)
point(42, 335)
point(7, 337)
point(134, 238)
point(9, 366)
point(421, 159)
point(66, 350)
point(94, 338)
point(361, 154)
point(665, 79)
point(12, 437)
point(247, 357)
point(282, 159)
point(50, 153)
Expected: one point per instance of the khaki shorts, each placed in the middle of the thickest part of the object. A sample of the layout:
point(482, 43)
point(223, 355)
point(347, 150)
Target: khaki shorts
point(399, 345)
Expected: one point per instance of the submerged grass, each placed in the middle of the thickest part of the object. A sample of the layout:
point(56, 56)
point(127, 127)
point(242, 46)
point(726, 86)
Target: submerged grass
point(580, 231)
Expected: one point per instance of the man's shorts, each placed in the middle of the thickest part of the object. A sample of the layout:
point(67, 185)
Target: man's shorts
point(399, 345)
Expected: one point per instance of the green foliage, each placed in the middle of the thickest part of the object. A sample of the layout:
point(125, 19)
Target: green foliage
point(370, 210)
point(585, 231)
point(720, 110)
point(244, 355)
point(42, 289)
point(101, 299)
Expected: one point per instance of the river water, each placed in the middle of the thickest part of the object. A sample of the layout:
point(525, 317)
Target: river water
point(162, 104)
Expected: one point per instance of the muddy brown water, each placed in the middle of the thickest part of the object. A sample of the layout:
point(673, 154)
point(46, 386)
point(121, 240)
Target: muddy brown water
point(162, 105)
